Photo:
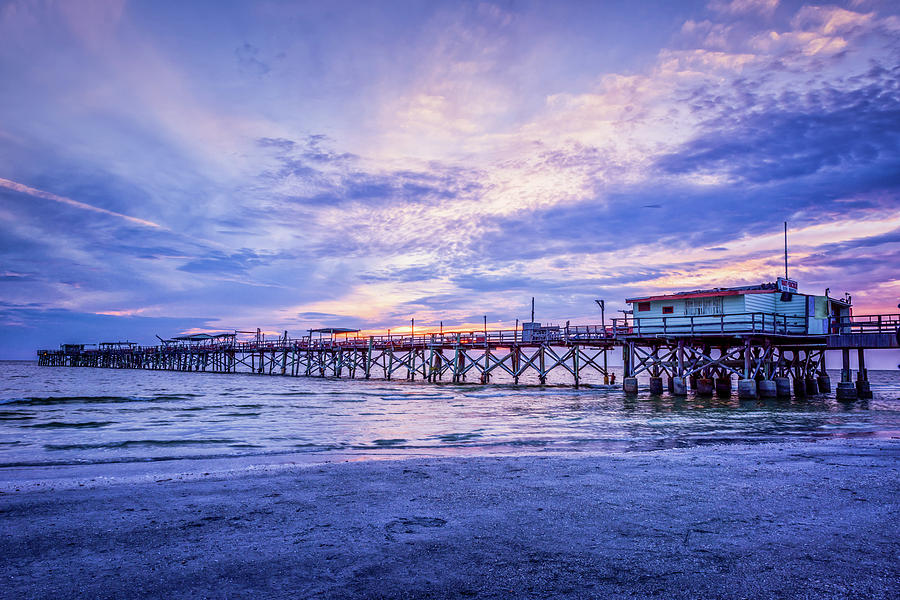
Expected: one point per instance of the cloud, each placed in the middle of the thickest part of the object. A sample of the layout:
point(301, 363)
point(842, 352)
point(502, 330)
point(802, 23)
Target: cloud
point(247, 59)
point(234, 263)
point(24, 189)
point(798, 135)
point(744, 7)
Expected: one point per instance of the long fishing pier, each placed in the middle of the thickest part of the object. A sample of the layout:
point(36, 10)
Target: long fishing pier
point(769, 354)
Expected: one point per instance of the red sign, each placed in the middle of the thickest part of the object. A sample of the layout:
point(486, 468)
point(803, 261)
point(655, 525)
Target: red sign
point(787, 285)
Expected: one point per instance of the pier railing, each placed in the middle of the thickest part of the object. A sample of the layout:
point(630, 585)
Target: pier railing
point(620, 329)
point(709, 325)
point(493, 338)
point(884, 323)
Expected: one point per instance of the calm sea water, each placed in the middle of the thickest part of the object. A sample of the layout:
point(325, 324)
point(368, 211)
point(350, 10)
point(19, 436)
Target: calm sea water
point(51, 416)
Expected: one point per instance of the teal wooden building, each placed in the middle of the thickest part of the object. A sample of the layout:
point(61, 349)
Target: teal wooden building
point(776, 308)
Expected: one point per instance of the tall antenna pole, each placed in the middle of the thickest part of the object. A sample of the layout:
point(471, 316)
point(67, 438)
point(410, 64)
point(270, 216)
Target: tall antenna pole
point(532, 309)
point(785, 251)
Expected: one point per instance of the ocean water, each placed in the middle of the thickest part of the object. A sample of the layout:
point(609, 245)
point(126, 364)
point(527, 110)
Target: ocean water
point(69, 416)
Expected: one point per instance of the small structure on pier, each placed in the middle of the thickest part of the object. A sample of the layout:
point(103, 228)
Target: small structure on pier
point(770, 336)
point(329, 334)
point(535, 332)
point(768, 307)
point(116, 345)
point(199, 339)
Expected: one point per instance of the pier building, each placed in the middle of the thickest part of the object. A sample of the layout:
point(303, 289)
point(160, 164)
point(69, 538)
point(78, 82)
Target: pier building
point(768, 307)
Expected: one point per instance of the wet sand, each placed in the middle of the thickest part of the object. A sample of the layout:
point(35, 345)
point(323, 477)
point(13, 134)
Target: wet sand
point(798, 520)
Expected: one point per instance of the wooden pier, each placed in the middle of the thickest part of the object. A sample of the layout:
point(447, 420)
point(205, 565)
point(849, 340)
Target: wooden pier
point(454, 356)
point(769, 354)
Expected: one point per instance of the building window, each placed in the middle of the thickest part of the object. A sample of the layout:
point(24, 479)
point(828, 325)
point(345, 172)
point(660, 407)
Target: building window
point(643, 306)
point(668, 310)
point(703, 306)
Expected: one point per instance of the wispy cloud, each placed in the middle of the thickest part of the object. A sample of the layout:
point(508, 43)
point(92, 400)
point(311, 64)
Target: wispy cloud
point(24, 189)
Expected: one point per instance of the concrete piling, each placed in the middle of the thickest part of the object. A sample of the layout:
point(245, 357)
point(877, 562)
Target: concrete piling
point(630, 385)
point(679, 387)
point(723, 387)
point(812, 386)
point(746, 389)
point(656, 386)
point(863, 390)
point(704, 386)
point(846, 391)
point(782, 387)
point(767, 388)
point(824, 384)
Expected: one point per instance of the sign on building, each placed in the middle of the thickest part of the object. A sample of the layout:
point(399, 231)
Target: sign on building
point(787, 285)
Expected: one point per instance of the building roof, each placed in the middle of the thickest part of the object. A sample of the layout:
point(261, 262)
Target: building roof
point(701, 294)
point(199, 337)
point(762, 288)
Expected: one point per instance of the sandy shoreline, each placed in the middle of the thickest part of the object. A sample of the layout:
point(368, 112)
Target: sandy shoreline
point(797, 520)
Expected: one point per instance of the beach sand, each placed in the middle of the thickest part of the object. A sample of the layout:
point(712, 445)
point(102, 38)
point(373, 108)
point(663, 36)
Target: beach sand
point(797, 520)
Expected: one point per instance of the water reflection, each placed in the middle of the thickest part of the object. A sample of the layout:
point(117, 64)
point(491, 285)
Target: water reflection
point(64, 416)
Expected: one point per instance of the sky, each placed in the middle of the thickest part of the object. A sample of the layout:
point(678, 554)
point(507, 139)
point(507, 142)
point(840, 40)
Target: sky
point(170, 167)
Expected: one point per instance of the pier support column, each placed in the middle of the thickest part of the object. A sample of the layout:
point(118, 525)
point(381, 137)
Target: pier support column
point(435, 363)
point(630, 385)
point(516, 361)
point(746, 389)
point(823, 379)
point(723, 387)
point(767, 388)
point(575, 367)
point(629, 382)
point(862, 377)
point(605, 367)
point(389, 358)
point(704, 386)
point(677, 383)
point(783, 387)
point(845, 389)
point(656, 386)
point(812, 386)
point(542, 376)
